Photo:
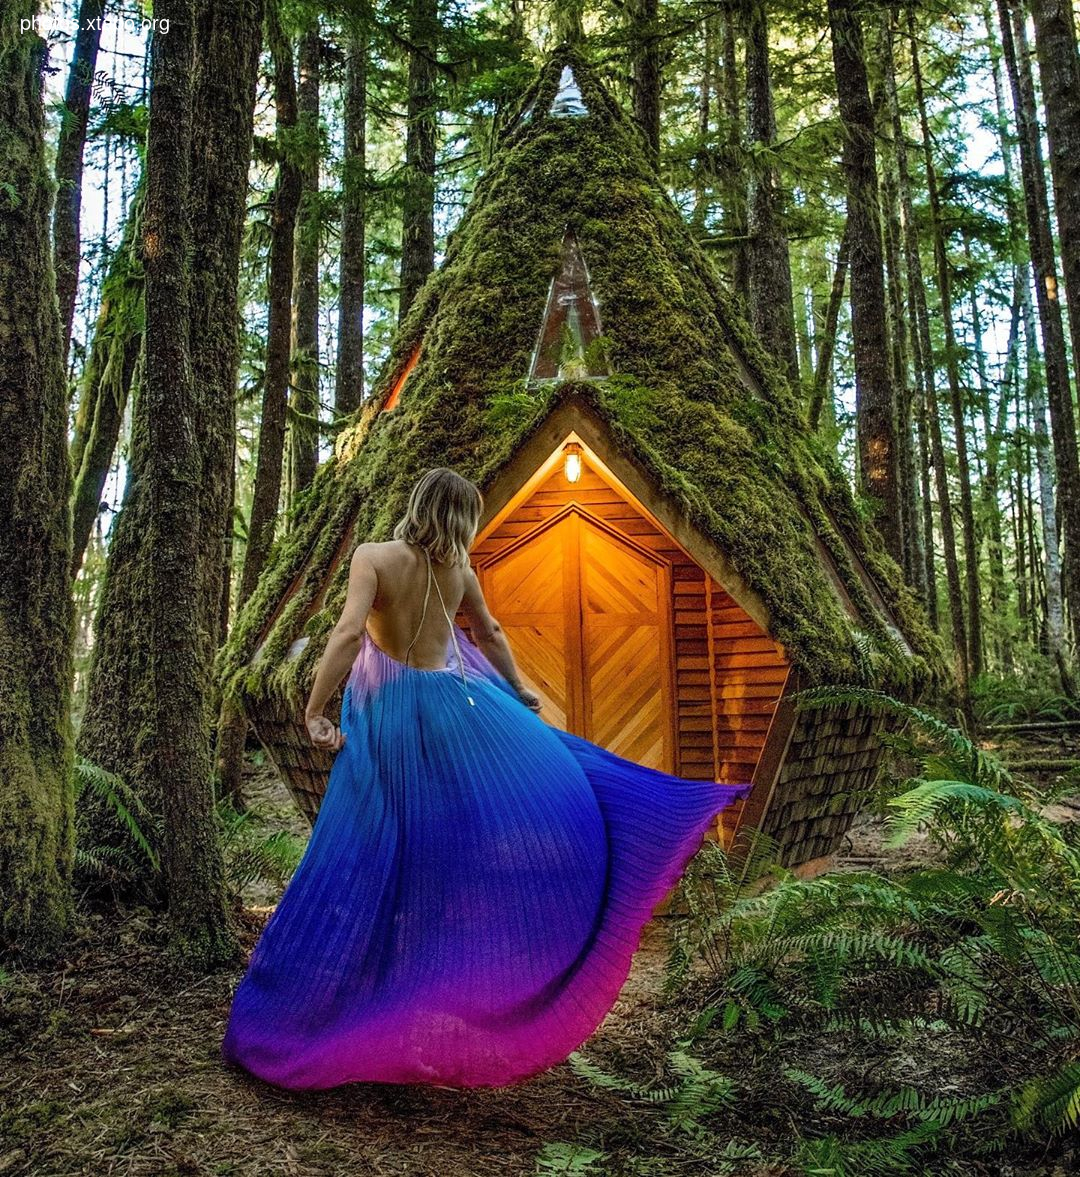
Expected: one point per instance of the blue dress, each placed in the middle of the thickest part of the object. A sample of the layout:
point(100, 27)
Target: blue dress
point(473, 891)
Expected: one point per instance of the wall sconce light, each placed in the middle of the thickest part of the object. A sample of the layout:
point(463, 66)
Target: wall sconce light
point(572, 462)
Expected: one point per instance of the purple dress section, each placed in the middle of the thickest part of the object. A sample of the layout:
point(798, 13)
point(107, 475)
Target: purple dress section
point(475, 886)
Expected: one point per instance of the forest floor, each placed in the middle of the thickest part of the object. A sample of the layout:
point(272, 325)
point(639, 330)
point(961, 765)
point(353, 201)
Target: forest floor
point(111, 1066)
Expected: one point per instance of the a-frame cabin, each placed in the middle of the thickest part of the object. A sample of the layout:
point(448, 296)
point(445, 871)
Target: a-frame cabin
point(671, 552)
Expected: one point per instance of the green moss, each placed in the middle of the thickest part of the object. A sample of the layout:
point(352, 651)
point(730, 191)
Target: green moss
point(694, 401)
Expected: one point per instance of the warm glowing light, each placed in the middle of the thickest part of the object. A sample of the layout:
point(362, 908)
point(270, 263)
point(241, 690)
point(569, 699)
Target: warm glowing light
point(572, 462)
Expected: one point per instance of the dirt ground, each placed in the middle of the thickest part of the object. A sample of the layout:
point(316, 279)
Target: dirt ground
point(111, 1066)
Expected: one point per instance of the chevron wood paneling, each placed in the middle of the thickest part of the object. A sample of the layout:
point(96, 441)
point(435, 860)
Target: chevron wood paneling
point(725, 674)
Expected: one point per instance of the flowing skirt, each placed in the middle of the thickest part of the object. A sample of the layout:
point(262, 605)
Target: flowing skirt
point(474, 889)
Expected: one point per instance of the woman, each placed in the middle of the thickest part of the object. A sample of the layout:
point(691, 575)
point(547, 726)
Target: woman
point(476, 882)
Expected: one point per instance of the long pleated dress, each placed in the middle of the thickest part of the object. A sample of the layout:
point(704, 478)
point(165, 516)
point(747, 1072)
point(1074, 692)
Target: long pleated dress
point(474, 888)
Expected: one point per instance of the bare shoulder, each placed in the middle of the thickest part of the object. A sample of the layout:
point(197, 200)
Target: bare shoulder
point(380, 555)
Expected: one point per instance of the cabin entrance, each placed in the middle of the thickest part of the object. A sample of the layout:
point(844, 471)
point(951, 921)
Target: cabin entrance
point(587, 613)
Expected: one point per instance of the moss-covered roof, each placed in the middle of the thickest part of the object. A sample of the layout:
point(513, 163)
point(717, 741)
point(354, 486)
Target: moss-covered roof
point(694, 401)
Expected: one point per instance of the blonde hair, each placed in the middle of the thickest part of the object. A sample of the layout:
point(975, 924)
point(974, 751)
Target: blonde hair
point(442, 516)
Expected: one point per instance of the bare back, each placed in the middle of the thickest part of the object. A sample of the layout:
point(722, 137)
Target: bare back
point(395, 617)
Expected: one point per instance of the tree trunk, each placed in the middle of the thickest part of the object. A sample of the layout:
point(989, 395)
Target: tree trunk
point(874, 394)
point(772, 311)
point(734, 171)
point(69, 160)
point(36, 611)
point(304, 409)
point(1057, 71)
point(418, 203)
point(1057, 368)
point(645, 69)
point(266, 494)
point(952, 371)
point(106, 380)
point(931, 447)
point(823, 372)
point(914, 561)
point(151, 696)
point(349, 380)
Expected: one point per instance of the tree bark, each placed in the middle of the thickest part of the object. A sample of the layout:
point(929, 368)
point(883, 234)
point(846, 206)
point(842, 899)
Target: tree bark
point(1060, 96)
point(151, 696)
point(349, 379)
point(36, 611)
point(734, 169)
point(646, 70)
point(875, 397)
point(304, 414)
point(69, 161)
point(418, 203)
point(266, 494)
point(952, 370)
point(772, 312)
point(914, 561)
point(823, 371)
point(1055, 369)
point(106, 380)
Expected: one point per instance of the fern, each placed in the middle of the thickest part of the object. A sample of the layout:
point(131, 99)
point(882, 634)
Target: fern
point(129, 809)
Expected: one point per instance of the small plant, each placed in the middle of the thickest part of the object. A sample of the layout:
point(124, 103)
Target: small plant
point(253, 855)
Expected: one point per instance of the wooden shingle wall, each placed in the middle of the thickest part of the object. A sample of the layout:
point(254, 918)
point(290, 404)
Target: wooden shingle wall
point(832, 759)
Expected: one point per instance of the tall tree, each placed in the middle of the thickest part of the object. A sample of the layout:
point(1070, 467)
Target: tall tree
point(349, 377)
point(943, 271)
point(1040, 370)
point(771, 300)
point(645, 69)
point(148, 713)
point(106, 379)
point(1059, 73)
point(418, 201)
point(36, 612)
point(875, 398)
point(304, 416)
point(269, 460)
point(74, 119)
point(914, 562)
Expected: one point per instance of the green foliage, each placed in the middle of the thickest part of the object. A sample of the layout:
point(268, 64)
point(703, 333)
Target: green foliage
point(974, 953)
point(251, 854)
point(568, 1158)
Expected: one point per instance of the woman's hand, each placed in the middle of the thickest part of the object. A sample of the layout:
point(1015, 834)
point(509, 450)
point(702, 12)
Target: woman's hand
point(323, 733)
point(530, 698)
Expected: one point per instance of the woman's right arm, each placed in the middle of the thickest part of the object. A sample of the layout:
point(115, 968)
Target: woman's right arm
point(489, 637)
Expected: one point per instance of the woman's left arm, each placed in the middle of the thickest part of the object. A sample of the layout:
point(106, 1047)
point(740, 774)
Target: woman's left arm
point(341, 649)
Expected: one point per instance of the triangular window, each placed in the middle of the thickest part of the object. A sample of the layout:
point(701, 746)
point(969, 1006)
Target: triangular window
point(568, 102)
point(569, 345)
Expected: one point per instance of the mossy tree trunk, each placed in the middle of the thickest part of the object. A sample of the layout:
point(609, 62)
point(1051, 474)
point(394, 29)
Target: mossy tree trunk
point(734, 168)
point(69, 160)
point(887, 103)
point(106, 380)
point(151, 694)
point(772, 311)
point(875, 397)
point(418, 200)
point(266, 493)
point(36, 611)
point(943, 271)
point(349, 377)
point(643, 16)
point(304, 407)
point(1043, 262)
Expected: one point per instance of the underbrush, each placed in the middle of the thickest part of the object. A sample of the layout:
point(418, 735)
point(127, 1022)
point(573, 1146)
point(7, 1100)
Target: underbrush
point(869, 1024)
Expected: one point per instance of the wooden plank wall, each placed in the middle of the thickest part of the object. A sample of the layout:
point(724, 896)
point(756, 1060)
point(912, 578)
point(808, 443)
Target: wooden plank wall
point(728, 673)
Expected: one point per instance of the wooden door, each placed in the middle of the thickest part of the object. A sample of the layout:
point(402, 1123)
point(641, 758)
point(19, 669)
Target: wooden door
point(587, 614)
